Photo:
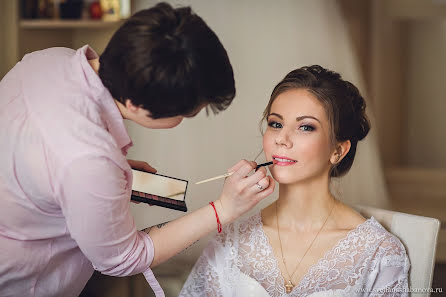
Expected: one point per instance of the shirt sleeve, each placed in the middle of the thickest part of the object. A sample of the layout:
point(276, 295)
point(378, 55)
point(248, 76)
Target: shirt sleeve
point(392, 270)
point(95, 202)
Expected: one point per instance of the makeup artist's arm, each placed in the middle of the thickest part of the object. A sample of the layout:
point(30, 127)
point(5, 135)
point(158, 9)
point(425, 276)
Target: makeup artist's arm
point(238, 196)
point(95, 203)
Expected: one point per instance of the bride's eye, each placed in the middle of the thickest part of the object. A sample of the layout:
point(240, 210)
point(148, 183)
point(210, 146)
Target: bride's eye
point(275, 125)
point(306, 128)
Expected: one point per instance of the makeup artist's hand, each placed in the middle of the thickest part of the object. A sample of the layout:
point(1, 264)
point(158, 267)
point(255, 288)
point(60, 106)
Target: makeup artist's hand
point(241, 192)
point(141, 165)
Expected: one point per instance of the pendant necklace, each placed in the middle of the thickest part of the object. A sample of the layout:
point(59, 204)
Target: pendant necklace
point(289, 286)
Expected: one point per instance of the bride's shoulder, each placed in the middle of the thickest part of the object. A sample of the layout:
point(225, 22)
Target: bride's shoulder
point(374, 234)
point(347, 218)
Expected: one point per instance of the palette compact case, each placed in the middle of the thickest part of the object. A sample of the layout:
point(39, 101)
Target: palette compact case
point(161, 190)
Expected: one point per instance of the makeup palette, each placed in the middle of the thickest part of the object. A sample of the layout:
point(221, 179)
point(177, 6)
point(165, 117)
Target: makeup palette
point(160, 190)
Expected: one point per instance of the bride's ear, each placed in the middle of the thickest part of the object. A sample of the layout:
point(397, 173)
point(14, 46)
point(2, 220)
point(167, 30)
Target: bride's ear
point(340, 151)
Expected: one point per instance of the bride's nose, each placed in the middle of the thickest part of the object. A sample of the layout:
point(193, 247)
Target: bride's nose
point(283, 139)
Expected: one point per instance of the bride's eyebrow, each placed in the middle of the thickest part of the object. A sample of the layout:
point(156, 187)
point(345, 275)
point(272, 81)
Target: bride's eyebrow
point(297, 119)
point(275, 114)
point(306, 117)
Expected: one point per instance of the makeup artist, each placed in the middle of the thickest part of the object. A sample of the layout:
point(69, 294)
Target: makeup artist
point(65, 182)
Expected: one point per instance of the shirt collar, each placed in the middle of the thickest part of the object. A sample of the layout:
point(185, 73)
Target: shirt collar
point(109, 110)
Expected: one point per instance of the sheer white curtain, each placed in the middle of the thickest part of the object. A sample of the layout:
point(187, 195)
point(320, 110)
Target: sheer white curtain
point(265, 40)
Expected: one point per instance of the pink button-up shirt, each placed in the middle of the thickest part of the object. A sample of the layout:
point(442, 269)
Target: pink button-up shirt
point(65, 183)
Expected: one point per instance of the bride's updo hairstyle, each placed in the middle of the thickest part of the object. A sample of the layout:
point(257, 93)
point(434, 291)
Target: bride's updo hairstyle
point(342, 101)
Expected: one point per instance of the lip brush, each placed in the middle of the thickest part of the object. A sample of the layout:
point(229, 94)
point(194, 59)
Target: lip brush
point(230, 173)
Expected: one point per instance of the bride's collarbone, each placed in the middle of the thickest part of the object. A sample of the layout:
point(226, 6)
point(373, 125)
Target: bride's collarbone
point(294, 247)
point(295, 244)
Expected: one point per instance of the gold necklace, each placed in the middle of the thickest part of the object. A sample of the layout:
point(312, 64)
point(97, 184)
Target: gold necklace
point(289, 286)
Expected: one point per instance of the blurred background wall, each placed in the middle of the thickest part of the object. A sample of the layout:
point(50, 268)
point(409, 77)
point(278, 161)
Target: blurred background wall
point(426, 63)
point(393, 50)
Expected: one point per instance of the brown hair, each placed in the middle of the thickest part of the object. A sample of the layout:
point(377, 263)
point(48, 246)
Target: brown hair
point(342, 101)
point(168, 61)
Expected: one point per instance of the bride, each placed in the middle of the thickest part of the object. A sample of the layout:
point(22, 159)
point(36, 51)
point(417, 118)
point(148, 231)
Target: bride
point(307, 243)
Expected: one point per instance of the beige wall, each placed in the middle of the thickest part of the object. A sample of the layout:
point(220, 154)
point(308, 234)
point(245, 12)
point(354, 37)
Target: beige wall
point(426, 94)
point(2, 41)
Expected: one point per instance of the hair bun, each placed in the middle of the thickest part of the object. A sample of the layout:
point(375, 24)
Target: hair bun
point(364, 127)
point(358, 105)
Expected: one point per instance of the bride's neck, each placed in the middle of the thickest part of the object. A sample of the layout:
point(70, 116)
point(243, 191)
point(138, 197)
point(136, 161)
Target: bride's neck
point(304, 206)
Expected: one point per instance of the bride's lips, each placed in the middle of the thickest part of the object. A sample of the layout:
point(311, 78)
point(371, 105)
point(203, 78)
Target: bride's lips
point(283, 161)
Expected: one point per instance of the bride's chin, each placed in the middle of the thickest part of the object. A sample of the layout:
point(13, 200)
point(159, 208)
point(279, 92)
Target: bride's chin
point(284, 179)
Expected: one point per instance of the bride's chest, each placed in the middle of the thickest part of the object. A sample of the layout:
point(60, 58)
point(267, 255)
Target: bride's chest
point(328, 264)
point(295, 253)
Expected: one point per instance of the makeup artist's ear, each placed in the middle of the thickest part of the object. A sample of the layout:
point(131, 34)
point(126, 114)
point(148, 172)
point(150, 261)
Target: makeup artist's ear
point(342, 149)
point(130, 106)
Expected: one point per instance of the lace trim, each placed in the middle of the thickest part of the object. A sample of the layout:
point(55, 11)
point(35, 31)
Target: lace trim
point(394, 260)
point(341, 266)
point(243, 247)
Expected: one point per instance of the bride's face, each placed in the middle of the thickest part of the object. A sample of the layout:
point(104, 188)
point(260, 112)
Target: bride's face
point(297, 137)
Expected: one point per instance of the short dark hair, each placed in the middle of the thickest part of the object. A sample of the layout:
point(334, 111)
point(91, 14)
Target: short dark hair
point(342, 101)
point(169, 62)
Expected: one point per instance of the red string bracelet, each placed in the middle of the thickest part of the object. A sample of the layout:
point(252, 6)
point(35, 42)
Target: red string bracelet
point(216, 215)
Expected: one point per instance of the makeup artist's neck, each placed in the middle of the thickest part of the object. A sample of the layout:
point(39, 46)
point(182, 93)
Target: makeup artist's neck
point(306, 204)
point(94, 63)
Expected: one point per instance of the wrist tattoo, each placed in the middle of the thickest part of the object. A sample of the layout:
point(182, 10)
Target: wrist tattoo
point(159, 226)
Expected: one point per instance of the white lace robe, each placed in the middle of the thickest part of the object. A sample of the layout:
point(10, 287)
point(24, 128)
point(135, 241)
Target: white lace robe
point(368, 261)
